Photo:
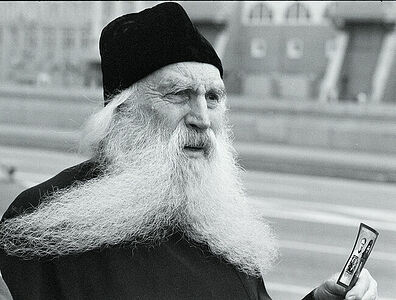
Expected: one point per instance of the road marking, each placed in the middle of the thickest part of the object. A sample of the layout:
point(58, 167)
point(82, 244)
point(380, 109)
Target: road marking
point(274, 209)
point(275, 187)
point(325, 218)
point(318, 181)
point(380, 214)
point(296, 289)
point(287, 288)
point(328, 249)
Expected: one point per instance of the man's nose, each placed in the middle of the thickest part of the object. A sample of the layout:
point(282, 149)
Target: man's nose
point(198, 116)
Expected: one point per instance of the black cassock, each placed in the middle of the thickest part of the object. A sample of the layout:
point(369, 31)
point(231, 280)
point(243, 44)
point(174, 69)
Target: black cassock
point(175, 269)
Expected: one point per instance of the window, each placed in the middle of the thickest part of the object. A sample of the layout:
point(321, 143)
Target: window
point(49, 42)
point(298, 13)
point(68, 38)
point(258, 48)
point(295, 48)
point(85, 37)
point(1, 42)
point(30, 42)
point(14, 43)
point(15, 36)
point(48, 36)
point(258, 13)
point(31, 37)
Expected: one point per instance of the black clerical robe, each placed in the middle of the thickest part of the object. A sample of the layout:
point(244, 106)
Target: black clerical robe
point(175, 269)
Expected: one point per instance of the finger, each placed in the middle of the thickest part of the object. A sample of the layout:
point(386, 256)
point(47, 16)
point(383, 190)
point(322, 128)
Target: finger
point(332, 287)
point(372, 292)
point(361, 286)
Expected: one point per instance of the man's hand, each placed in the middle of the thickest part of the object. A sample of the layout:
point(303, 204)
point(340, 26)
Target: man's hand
point(364, 289)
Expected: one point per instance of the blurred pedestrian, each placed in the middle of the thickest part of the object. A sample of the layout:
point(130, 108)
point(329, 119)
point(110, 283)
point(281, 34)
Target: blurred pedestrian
point(159, 212)
point(9, 171)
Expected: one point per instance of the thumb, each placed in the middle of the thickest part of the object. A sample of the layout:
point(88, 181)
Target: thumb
point(330, 289)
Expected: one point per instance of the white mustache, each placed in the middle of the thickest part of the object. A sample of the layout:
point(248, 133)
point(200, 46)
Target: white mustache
point(205, 140)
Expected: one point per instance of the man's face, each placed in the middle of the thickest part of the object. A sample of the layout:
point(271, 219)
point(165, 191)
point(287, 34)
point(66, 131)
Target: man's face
point(190, 93)
point(362, 243)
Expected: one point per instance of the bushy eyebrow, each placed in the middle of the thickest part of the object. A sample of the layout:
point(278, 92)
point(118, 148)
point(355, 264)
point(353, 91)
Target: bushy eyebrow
point(219, 91)
point(173, 84)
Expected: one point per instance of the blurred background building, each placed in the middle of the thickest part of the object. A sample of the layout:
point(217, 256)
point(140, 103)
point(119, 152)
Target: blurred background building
point(53, 43)
point(313, 50)
point(323, 50)
point(279, 49)
point(56, 43)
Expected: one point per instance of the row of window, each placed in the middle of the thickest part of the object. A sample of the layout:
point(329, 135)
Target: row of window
point(52, 11)
point(69, 36)
point(294, 48)
point(261, 13)
point(28, 44)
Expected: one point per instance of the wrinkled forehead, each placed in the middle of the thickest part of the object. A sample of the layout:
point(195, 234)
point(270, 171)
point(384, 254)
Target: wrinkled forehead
point(190, 73)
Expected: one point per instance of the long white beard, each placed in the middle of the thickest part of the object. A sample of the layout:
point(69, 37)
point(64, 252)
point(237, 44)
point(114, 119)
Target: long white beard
point(150, 187)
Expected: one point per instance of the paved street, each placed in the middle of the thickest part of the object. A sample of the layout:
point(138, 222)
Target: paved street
point(316, 220)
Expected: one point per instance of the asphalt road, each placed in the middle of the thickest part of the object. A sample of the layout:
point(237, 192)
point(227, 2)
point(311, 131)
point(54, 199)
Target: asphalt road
point(316, 220)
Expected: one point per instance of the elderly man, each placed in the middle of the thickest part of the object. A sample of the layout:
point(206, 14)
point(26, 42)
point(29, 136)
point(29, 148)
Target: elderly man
point(159, 212)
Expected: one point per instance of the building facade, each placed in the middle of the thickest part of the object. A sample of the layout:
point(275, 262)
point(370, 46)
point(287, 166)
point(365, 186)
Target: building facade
point(364, 67)
point(279, 49)
point(56, 42)
point(51, 42)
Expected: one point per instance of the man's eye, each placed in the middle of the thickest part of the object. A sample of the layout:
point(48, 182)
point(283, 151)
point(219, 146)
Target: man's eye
point(212, 97)
point(179, 96)
point(183, 95)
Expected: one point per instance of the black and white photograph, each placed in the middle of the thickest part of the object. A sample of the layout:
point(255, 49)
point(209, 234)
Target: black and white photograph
point(356, 261)
point(197, 150)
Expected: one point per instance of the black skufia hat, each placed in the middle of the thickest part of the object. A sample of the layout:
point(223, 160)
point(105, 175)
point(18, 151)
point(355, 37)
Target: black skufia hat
point(135, 45)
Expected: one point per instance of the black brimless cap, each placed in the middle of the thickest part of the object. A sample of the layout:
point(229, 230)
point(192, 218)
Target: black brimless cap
point(135, 45)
